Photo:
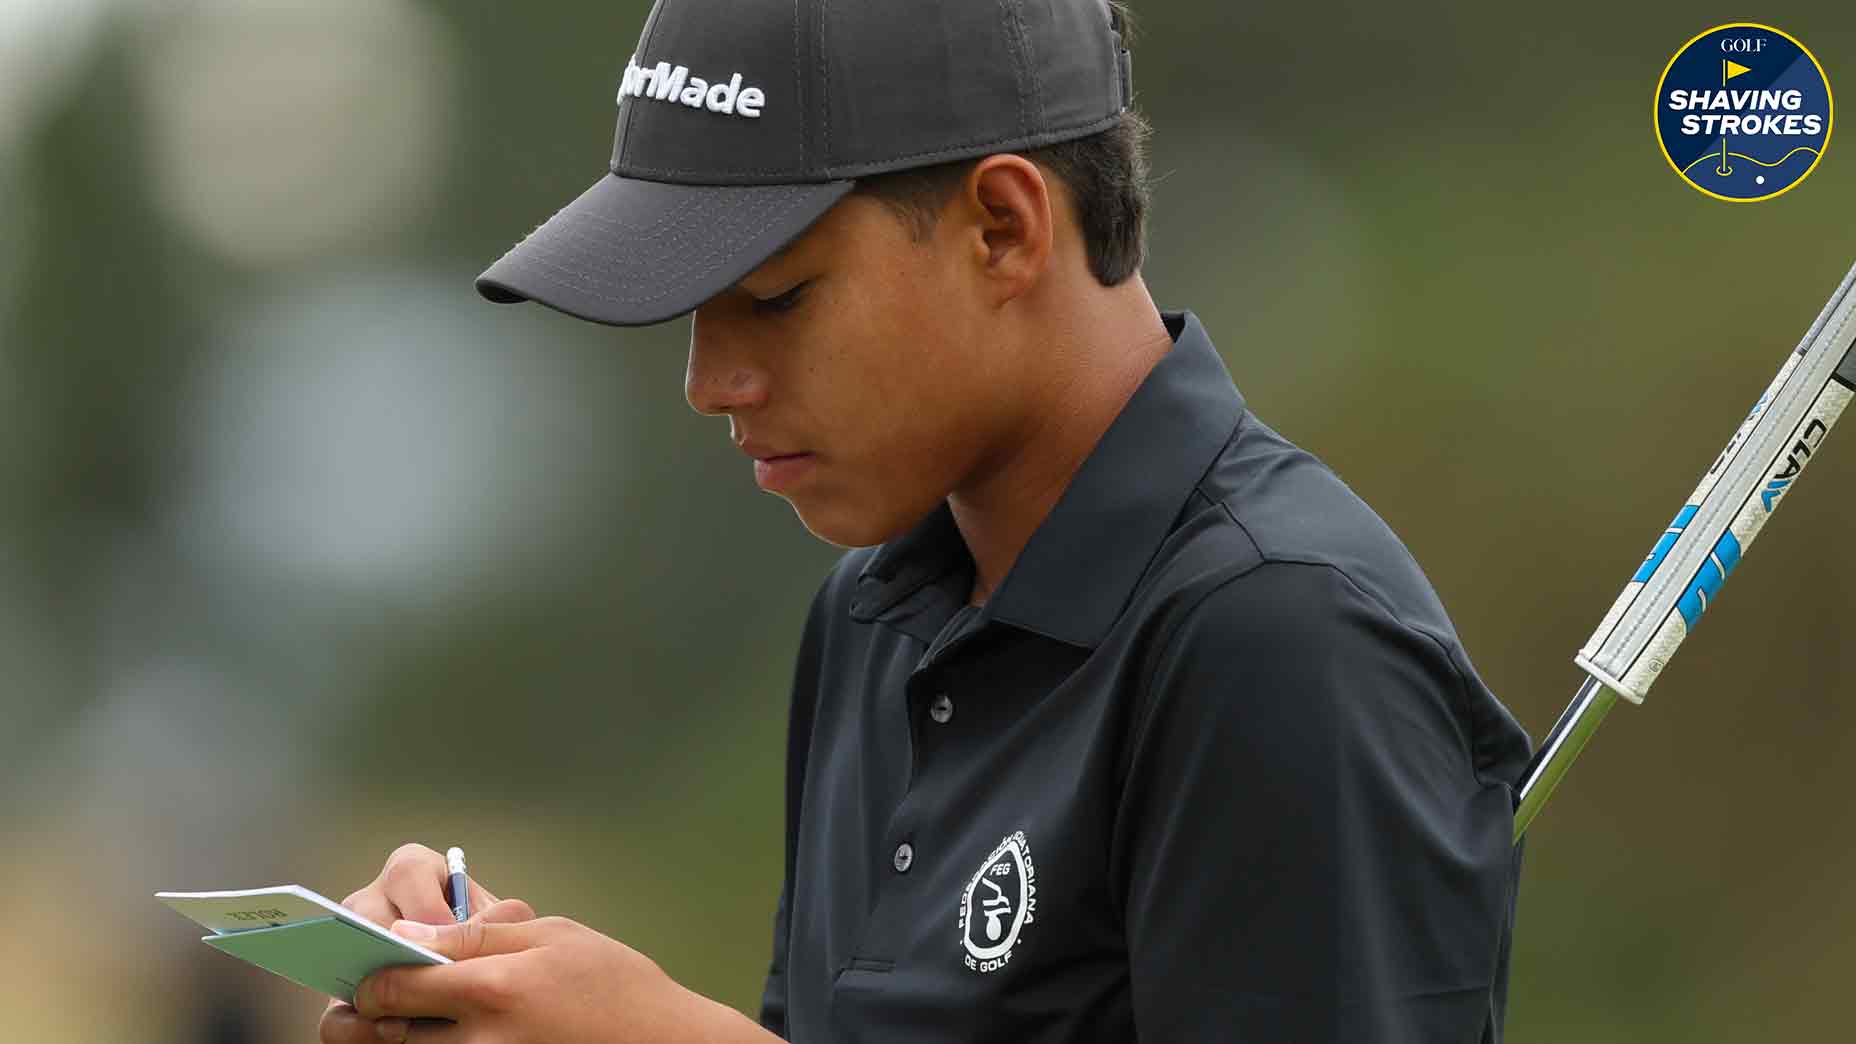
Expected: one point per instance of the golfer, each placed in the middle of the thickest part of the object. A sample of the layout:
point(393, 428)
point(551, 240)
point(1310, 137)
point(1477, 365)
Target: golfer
point(1123, 718)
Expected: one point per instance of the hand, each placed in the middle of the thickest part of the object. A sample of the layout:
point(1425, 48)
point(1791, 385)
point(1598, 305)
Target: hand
point(540, 980)
point(410, 886)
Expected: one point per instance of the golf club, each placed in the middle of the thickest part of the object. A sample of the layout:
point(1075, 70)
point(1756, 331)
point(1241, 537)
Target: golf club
point(1684, 572)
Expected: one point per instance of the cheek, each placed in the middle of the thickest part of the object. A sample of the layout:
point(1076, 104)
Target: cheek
point(893, 457)
point(895, 385)
point(918, 404)
point(924, 349)
point(877, 373)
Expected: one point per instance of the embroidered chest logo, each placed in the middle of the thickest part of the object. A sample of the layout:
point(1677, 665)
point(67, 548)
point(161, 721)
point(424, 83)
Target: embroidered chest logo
point(999, 901)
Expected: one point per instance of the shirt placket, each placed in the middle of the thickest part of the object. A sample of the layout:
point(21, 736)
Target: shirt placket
point(903, 845)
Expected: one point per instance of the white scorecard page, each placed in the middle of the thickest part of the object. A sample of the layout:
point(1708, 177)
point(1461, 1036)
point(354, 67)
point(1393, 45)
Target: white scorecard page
point(225, 913)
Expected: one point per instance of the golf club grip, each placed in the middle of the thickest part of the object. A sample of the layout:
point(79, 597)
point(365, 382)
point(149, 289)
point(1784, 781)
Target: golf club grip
point(1684, 572)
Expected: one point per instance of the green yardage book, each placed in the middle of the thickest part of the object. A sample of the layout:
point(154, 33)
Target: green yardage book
point(293, 932)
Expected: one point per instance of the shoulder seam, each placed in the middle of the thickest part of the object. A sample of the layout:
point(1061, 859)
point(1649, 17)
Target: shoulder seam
point(1462, 684)
point(1461, 700)
point(1139, 734)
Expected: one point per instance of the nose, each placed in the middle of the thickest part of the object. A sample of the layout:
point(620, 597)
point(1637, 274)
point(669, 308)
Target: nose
point(722, 376)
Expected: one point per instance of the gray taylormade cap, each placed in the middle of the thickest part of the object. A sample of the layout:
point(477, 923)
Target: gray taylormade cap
point(742, 121)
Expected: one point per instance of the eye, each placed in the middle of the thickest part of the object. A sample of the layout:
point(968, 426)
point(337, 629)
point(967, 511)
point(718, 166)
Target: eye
point(782, 303)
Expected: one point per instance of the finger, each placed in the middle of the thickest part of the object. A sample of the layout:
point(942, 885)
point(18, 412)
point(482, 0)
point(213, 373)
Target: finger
point(375, 902)
point(341, 1024)
point(413, 881)
point(481, 938)
point(439, 991)
point(434, 1031)
point(415, 1031)
point(414, 991)
point(507, 911)
point(502, 911)
point(371, 903)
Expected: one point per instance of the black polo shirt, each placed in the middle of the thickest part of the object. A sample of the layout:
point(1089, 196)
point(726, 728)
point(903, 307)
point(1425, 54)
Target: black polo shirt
point(1209, 765)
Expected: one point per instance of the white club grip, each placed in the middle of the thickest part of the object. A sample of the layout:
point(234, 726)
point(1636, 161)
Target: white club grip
point(1684, 572)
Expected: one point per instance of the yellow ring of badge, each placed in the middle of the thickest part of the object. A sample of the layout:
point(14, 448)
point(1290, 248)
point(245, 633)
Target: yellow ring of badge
point(1656, 103)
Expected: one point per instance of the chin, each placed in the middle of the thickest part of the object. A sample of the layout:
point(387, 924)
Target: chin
point(845, 526)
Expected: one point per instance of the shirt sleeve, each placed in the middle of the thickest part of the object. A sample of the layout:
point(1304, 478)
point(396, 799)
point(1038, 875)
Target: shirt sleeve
point(1305, 850)
point(798, 742)
point(773, 996)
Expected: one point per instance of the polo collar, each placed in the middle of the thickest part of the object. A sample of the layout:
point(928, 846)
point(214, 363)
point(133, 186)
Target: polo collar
point(1079, 568)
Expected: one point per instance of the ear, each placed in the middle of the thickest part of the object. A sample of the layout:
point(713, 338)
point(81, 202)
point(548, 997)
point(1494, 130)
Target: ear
point(1011, 203)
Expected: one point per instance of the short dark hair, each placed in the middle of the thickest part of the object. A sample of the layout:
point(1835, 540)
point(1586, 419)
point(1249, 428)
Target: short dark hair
point(1106, 174)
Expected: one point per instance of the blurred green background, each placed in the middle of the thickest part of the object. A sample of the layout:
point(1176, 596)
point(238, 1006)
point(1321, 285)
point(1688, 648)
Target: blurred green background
point(281, 498)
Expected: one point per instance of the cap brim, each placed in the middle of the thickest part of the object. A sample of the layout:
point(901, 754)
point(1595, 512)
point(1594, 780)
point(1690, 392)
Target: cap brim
point(632, 253)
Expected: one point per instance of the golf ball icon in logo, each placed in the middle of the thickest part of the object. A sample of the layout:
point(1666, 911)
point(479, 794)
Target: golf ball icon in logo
point(998, 902)
point(1743, 112)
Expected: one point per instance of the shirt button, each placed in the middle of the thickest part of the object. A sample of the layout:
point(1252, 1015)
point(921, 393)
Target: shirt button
point(942, 709)
point(904, 858)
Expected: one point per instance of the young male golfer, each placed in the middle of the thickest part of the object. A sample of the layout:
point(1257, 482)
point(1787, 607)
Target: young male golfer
point(1125, 719)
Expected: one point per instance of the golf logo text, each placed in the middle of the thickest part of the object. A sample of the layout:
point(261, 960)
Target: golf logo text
point(1814, 433)
point(673, 83)
point(999, 901)
point(1743, 112)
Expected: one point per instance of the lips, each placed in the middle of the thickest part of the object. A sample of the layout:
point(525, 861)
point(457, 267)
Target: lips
point(776, 468)
point(781, 472)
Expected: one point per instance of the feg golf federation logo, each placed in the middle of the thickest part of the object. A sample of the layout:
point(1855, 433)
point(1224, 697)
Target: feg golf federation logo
point(1743, 112)
point(1000, 900)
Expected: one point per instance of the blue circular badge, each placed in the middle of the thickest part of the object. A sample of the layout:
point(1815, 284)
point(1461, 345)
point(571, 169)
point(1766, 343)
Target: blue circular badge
point(1743, 112)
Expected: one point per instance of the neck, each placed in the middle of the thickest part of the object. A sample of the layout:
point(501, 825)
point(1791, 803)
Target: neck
point(1085, 364)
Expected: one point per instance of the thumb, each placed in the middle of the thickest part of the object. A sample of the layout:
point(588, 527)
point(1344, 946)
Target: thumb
point(473, 938)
